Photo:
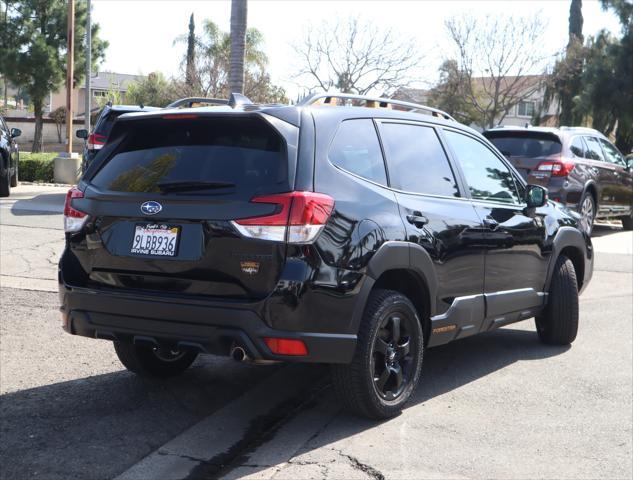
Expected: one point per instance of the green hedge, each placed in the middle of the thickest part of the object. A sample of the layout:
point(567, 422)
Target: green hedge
point(36, 167)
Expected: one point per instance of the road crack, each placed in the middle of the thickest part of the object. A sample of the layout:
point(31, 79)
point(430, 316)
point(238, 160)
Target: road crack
point(358, 465)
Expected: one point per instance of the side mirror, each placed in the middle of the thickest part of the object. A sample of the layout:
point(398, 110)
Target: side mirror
point(536, 196)
point(82, 133)
point(15, 132)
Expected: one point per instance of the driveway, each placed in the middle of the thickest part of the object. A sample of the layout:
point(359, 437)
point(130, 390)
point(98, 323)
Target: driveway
point(498, 405)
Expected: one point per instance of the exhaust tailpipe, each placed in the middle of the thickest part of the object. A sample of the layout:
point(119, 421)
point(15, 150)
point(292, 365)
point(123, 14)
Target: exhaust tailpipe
point(239, 354)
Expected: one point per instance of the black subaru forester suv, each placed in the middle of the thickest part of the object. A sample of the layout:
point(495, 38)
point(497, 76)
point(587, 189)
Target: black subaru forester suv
point(346, 230)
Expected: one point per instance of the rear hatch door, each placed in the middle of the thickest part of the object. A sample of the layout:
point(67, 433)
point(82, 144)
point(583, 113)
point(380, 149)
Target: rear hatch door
point(162, 200)
point(526, 149)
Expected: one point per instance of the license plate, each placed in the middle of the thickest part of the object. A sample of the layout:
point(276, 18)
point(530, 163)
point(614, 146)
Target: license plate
point(155, 239)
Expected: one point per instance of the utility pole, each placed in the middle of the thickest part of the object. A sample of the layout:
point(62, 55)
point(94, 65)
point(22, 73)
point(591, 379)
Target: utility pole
point(88, 66)
point(70, 75)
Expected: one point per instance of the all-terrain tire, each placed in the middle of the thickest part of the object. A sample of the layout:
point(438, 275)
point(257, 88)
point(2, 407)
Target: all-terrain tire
point(147, 362)
point(558, 323)
point(356, 383)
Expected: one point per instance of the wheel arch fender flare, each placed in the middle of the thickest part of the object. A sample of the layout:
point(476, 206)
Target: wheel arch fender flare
point(591, 185)
point(396, 255)
point(574, 238)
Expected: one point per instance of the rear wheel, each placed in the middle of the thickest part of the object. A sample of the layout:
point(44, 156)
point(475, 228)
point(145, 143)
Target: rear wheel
point(387, 362)
point(588, 211)
point(153, 362)
point(558, 323)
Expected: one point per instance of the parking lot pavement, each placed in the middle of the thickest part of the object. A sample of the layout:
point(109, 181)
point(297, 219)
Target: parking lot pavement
point(499, 405)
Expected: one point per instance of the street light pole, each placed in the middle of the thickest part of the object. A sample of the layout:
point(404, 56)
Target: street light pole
point(69, 75)
point(88, 98)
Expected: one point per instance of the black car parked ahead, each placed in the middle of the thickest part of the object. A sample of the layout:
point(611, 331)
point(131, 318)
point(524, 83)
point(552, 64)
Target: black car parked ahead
point(346, 235)
point(9, 157)
point(97, 139)
point(580, 167)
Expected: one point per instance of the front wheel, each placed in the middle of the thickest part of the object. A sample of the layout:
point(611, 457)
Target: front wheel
point(627, 222)
point(14, 177)
point(5, 184)
point(387, 362)
point(558, 323)
point(153, 362)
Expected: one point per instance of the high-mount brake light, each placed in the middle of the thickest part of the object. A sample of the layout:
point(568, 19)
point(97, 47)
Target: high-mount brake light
point(96, 141)
point(74, 219)
point(556, 168)
point(299, 219)
point(180, 116)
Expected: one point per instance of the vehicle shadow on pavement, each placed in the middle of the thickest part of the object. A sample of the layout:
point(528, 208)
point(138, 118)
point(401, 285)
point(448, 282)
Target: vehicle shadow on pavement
point(446, 368)
point(98, 426)
point(43, 204)
point(601, 230)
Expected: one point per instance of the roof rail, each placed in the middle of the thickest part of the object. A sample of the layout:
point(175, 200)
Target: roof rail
point(189, 101)
point(376, 101)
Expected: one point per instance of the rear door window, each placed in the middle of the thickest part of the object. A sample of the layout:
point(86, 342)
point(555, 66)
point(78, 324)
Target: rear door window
point(487, 176)
point(356, 149)
point(594, 152)
point(416, 160)
point(244, 156)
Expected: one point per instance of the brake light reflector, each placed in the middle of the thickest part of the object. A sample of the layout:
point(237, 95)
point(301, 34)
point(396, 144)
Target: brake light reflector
point(557, 169)
point(286, 346)
point(96, 141)
point(74, 219)
point(299, 219)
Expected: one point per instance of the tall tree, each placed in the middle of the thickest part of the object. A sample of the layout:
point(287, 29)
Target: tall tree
point(566, 76)
point(39, 58)
point(448, 94)
point(190, 72)
point(238, 45)
point(354, 56)
point(501, 61)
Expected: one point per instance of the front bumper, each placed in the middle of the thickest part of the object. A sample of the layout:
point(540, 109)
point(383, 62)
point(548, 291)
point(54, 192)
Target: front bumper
point(183, 323)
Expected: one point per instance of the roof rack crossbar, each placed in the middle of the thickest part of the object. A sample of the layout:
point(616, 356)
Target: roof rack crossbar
point(382, 102)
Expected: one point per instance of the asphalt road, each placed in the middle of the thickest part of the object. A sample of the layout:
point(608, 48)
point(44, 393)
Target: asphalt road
point(499, 405)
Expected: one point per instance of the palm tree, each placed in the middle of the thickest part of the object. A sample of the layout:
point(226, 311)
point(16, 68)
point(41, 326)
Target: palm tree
point(238, 45)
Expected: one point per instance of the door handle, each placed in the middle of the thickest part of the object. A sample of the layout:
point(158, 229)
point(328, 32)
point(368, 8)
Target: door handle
point(417, 219)
point(491, 223)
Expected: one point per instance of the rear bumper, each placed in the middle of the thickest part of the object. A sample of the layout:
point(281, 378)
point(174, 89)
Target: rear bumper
point(202, 326)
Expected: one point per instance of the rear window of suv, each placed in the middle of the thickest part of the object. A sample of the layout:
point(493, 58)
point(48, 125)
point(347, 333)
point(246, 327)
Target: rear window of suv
point(243, 155)
point(525, 144)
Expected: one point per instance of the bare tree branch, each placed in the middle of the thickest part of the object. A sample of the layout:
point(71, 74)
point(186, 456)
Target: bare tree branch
point(354, 56)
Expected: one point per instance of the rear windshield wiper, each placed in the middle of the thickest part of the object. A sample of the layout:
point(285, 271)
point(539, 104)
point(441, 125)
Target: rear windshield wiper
point(192, 185)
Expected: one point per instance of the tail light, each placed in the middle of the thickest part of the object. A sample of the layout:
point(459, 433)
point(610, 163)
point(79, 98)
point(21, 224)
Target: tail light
point(556, 168)
point(74, 219)
point(300, 218)
point(96, 141)
point(286, 346)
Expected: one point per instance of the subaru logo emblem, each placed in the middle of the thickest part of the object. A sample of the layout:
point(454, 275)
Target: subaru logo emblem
point(151, 207)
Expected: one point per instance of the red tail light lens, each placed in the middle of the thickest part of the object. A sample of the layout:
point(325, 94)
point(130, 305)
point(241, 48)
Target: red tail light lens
point(96, 141)
point(300, 217)
point(286, 346)
point(74, 219)
point(557, 169)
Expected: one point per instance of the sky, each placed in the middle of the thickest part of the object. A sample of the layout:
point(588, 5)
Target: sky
point(141, 32)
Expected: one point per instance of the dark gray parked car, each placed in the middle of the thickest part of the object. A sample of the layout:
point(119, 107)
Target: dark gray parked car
point(580, 167)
